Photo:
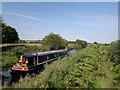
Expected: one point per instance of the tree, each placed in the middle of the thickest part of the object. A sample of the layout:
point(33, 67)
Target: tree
point(95, 43)
point(9, 34)
point(81, 43)
point(54, 41)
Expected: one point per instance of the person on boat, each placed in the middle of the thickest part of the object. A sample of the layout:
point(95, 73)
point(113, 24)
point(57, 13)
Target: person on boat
point(23, 61)
point(26, 62)
point(21, 58)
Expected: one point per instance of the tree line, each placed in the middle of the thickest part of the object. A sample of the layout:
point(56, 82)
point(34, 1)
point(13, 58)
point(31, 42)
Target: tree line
point(51, 41)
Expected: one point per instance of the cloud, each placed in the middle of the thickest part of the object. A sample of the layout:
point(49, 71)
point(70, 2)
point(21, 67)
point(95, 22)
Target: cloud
point(27, 17)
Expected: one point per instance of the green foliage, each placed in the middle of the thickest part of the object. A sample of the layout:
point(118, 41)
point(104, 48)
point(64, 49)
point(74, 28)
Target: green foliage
point(71, 46)
point(21, 41)
point(8, 59)
point(35, 41)
point(80, 44)
point(95, 43)
point(114, 56)
point(88, 68)
point(114, 52)
point(81, 70)
point(9, 34)
point(54, 41)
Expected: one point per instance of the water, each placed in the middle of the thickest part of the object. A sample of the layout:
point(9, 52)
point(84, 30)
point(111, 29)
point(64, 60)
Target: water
point(7, 77)
point(71, 52)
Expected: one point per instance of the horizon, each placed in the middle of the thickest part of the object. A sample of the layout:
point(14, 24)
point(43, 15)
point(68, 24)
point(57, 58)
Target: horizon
point(70, 41)
point(89, 21)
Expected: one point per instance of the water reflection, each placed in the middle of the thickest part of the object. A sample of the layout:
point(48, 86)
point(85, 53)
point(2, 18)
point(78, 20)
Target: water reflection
point(71, 52)
point(5, 77)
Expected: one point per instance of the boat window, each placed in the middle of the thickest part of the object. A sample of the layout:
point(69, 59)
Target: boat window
point(41, 59)
point(32, 61)
point(58, 54)
point(55, 54)
point(46, 57)
point(51, 56)
point(62, 53)
point(22, 60)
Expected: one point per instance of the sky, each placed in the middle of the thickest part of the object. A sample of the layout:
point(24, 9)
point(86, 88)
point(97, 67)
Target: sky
point(90, 21)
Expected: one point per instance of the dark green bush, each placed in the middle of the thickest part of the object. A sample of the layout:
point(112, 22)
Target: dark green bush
point(114, 56)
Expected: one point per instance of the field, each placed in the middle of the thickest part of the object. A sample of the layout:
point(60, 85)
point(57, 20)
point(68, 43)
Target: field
point(19, 44)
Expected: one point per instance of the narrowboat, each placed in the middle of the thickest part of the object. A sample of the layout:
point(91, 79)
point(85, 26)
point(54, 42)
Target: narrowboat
point(33, 61)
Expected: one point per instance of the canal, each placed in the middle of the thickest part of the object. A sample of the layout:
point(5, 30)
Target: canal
point(9, 79)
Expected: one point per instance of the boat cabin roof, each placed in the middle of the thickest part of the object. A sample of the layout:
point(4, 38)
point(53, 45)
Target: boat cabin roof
point(42, 53)
point(29, 55)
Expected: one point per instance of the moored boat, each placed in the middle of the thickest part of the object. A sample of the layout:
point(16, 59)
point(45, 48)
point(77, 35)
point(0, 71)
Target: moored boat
point(34, 61)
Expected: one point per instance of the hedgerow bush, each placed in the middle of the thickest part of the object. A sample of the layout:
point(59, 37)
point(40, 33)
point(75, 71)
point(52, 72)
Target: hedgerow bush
point(114, 57)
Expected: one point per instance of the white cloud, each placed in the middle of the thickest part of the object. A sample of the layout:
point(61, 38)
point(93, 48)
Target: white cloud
point(27, 17)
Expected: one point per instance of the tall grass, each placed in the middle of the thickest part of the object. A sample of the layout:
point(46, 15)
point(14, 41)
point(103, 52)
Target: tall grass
point(81, 70)
point(88, 68)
